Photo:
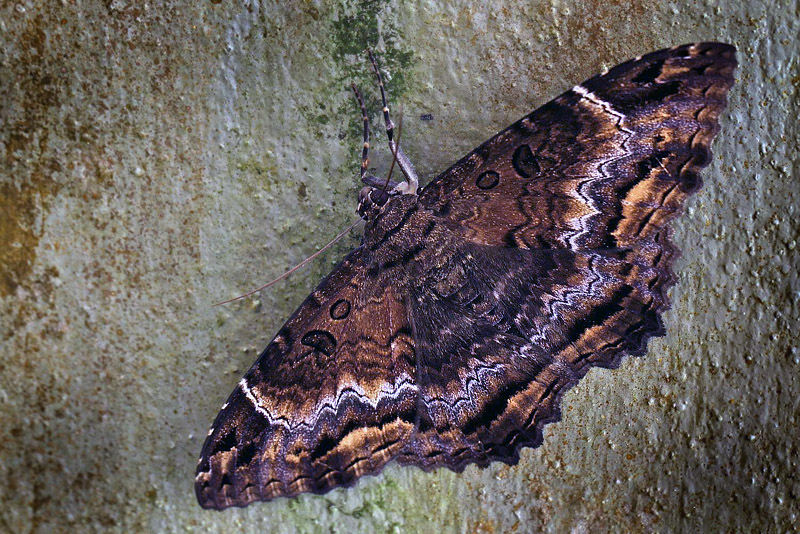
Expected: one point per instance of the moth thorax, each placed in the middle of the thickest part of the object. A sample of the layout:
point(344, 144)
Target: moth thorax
point(370, 201)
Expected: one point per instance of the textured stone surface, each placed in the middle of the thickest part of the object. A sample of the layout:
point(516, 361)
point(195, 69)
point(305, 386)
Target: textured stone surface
point(155, 160)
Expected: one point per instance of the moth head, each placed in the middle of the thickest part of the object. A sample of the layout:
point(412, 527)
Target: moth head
point(370, 201)
point(376, 193)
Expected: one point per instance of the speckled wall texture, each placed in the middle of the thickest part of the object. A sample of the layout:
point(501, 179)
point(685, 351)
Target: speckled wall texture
point(156, 159)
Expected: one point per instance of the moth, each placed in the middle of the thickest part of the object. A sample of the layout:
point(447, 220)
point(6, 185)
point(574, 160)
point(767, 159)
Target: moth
point(450, 335)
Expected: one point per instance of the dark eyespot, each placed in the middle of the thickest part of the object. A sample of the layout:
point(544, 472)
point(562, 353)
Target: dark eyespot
point(524, 161)
point(340, 309)
point(487, 180)
point(320, 340)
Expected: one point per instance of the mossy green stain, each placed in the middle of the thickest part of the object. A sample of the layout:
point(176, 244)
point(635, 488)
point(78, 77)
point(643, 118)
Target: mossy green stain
point(372, 22)
point(265, 174)
point(361, 25)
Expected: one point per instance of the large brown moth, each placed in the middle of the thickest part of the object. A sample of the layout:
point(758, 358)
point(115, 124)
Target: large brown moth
point(449, 336)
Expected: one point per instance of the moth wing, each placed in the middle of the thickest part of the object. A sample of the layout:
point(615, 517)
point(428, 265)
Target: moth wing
point(606, 164)
point(564, 257)
point(502, 333)
point(330, 399)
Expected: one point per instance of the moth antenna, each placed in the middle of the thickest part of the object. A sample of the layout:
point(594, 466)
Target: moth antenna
point(293, 269)
point(365, 118)
point(364, 165)
point(402, 161)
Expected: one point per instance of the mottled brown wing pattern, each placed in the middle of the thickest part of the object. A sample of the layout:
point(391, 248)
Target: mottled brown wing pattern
point(324, 404)
point(506, 331)
point(565, 259)
point(605, 164)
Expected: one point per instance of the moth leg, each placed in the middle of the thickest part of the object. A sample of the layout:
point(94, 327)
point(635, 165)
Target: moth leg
point(372, 181)
point(412, 181)
point(365, 118)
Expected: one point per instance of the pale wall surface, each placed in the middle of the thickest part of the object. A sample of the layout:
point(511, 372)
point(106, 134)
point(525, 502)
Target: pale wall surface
point(155, 160)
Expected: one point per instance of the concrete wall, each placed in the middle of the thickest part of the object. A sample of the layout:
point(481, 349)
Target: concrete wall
point(157, 159)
